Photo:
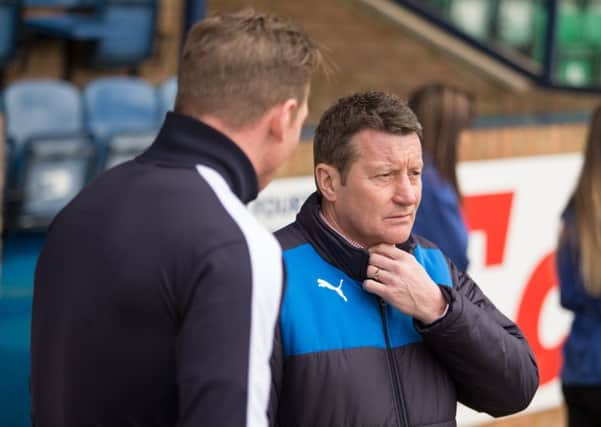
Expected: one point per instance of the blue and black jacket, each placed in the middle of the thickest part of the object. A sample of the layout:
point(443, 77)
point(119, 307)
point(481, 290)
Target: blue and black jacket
point(343, 357)
point(582, 349)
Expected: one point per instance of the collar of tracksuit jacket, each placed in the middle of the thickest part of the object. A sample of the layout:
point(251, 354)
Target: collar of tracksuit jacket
point(334, 248)
point(184, 142)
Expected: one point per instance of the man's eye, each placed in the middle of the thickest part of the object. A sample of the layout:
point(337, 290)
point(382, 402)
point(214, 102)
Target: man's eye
point(416, 172)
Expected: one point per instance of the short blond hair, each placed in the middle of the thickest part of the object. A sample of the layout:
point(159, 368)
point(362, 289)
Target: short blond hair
point(237, 66)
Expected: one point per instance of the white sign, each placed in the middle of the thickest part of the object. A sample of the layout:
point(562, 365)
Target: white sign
point(522, 284)
point(280, 201)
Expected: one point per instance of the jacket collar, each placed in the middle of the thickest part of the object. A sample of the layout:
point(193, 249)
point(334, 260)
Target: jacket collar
point(185, 142)
point(334, 248)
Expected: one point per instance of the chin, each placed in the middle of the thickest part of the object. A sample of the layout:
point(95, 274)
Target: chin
point(387, 235)
point(397, 236)
point(394, 239)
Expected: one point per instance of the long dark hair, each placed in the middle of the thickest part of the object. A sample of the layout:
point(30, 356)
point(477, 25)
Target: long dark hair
point(587, 208)
point(444, 112)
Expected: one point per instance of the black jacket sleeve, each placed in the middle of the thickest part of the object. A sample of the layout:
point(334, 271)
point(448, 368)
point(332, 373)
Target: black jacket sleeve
point(213, 343)
point(484, 352)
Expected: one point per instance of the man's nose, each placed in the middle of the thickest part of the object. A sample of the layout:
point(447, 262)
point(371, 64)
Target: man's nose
point(405, 191)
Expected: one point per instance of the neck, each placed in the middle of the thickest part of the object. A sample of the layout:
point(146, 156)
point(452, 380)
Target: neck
point(250, 141)
point(329, 218)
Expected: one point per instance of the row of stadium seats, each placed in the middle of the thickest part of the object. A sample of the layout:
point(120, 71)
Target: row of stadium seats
point(58, 137)
point(108, 33)
point(522, 24)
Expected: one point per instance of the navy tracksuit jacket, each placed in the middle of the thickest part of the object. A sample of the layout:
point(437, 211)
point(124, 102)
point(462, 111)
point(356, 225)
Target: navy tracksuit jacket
point(156, 293)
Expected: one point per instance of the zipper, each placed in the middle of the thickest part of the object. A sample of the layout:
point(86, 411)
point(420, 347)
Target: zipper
point(399, 401)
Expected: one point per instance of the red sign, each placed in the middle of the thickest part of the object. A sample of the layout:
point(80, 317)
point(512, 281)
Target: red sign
point(491, 214)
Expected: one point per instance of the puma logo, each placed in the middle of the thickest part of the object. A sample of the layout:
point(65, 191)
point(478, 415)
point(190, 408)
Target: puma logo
point(338, 289)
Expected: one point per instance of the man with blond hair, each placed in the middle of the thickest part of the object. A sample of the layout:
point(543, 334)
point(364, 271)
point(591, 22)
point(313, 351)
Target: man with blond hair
point(156, 293)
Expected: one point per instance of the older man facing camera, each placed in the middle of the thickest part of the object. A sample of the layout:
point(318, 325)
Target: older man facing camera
point(377, 326)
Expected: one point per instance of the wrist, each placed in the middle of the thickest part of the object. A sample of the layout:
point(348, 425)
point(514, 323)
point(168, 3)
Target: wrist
point(436, 310)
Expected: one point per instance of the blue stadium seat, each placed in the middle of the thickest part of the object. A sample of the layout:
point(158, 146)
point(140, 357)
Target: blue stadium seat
point(51, 152)
point(129, 41)
point(122, 115)
point(41, 107)
point(10, 24)
point(119, 33)
point(166, 92)
point(54, 171)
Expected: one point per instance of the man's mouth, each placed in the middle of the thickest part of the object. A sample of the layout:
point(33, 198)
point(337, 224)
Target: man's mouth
point(400, 216)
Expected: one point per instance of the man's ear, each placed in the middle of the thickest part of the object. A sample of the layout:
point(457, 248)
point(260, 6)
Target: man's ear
point(282, 118)
point(327, 179)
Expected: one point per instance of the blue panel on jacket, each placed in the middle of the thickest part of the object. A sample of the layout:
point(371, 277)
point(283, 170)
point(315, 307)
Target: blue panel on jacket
point(316, 318)
point(435, 264)
point(324, 309)
point(400, 326)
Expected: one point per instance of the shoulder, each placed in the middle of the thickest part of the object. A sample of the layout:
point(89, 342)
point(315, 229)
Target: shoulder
point(290, 236)
point(177, 205)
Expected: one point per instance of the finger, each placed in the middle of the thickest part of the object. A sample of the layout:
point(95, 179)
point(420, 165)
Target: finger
point(384, 277)
point(373, 271)
point(376, 273)
point(382, 261)
point(374, 287)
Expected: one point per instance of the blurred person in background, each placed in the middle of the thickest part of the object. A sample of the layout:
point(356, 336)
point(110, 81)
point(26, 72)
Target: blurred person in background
point(444, 113)
point(579, 267)
point(156, 293)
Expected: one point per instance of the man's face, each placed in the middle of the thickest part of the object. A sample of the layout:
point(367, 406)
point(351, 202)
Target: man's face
point(379, 200)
